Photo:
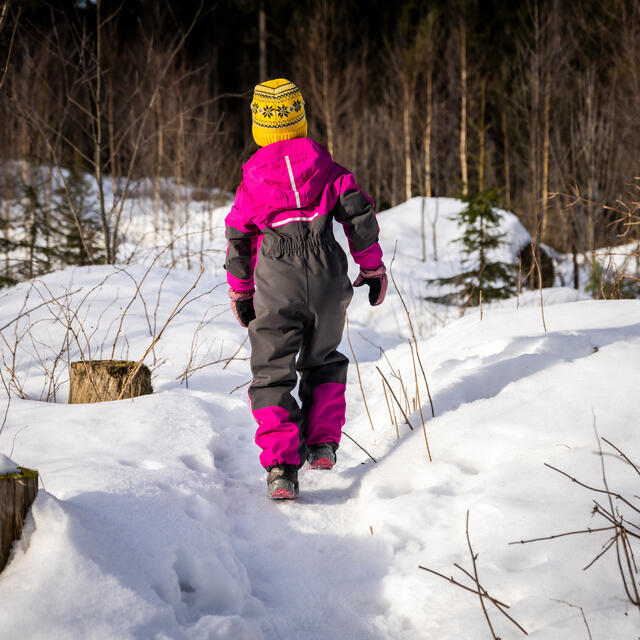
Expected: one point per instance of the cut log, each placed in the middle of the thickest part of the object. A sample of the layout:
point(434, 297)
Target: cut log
point(17, 493)
point(102, 380)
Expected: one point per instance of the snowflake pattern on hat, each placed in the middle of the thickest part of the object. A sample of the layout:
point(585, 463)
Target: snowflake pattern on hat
point(277, 112)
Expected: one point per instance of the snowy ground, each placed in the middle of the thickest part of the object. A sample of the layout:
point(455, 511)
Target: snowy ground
point(153, 520)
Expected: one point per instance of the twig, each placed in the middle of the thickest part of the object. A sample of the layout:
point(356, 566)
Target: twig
point(499, 605)
point(364, 397)
point(477, 581)
point(605, 548)
point(575, 606)
point(452, 580)
point(393, 395)
point(586, 486)
point(386, 397)
point(344, 433)
point(244, 384)
point(179, 306)
point(424, 428)
point(561, 535)
point(413, 333)
point(237, 351)
point(6, 414)
point(623, 456)
point(42, 304)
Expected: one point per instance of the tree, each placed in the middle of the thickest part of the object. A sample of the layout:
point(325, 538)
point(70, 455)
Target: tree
point(482, 278)
point(77, 226)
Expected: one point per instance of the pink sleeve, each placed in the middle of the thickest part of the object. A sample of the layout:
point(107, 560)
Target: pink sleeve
point(242, 246)
point(355, 210)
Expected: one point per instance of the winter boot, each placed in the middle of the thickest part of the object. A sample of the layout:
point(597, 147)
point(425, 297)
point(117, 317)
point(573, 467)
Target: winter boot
point(322, 456)
point(282, 482)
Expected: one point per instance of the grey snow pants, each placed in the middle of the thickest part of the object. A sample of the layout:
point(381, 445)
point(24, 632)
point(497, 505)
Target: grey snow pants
point(302, 293)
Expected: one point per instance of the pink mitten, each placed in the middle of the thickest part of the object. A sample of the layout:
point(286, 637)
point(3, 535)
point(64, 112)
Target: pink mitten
point(376, 280)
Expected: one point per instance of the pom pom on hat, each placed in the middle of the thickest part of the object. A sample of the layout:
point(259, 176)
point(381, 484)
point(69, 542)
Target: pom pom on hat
point(277, 111)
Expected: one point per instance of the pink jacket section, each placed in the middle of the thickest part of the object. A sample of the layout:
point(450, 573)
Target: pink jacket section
point(290, 181)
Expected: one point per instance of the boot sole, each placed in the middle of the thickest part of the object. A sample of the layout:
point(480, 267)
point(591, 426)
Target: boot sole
point(282, 489)
point(282, 494)
point(322, 464)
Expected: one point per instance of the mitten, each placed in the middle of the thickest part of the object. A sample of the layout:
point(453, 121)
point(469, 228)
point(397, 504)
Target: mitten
point(242, 306)
point(376, 280)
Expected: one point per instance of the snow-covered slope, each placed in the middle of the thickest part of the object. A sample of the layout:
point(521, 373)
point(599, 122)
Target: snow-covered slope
point(153, 520)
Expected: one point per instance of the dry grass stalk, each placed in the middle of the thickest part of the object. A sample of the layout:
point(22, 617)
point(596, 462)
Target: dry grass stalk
point(392, 416)
point(177, 309)
point(584, 618)
point(353, 353)
point(393, 395)
point(413, 333)
point(424, 428)
point(344, 433)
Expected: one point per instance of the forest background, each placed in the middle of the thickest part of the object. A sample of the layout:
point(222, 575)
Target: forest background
point(538, 100)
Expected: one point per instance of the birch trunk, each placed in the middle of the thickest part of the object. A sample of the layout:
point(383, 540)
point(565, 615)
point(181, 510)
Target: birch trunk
point(427, 134)
point(407, 139)
point(463, 108)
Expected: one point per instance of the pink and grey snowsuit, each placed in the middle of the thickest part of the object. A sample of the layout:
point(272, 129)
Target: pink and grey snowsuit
point(280, 236)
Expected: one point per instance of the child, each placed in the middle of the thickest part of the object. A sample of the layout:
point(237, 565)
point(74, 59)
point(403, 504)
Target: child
point(280, 237)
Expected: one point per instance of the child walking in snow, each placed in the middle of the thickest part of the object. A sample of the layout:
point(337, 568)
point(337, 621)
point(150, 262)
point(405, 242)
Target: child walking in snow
point(288, 283)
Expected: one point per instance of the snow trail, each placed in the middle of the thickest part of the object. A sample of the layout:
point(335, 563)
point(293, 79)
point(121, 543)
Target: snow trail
point(154, 520)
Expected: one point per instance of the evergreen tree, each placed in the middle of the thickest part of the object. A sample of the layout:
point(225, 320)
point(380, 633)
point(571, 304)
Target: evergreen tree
point(609, 285)
point(480, 221)
point(77, 223)
point(29, 249)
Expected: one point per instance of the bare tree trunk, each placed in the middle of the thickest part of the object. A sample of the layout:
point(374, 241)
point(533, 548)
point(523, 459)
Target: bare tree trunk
point(262, 40)
point(182, 189)
point(507, 166)
point(545, 156)
point(325, 104)
point(113, 157)
point(463, 108)
point(407, 138)
point(158, 174)
point(109, 242)
point(427, 133)
point(423, 230)
point(481, 151)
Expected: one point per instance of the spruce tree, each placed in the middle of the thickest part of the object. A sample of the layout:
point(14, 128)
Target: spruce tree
point(78, 228)
point(480, 221)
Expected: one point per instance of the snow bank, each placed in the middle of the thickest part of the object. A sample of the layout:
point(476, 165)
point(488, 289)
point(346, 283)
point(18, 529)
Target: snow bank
point(7, 466)
point(154, 523)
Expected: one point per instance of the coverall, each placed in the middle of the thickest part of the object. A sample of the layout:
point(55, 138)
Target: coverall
point(280, 240)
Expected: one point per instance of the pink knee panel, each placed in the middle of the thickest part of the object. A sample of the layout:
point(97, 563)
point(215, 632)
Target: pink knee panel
point(326, 417)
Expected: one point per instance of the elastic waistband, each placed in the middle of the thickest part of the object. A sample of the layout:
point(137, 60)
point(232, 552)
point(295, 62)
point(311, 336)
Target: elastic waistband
point(278, 245)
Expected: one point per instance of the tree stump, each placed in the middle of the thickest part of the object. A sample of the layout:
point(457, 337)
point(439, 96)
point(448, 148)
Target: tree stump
point(17, 493)
point(102, 380)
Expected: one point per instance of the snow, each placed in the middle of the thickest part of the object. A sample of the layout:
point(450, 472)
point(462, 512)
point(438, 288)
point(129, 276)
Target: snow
point(7, 466)
point(153, 522)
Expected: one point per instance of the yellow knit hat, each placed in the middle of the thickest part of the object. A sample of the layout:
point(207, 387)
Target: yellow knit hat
point(277, 111)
